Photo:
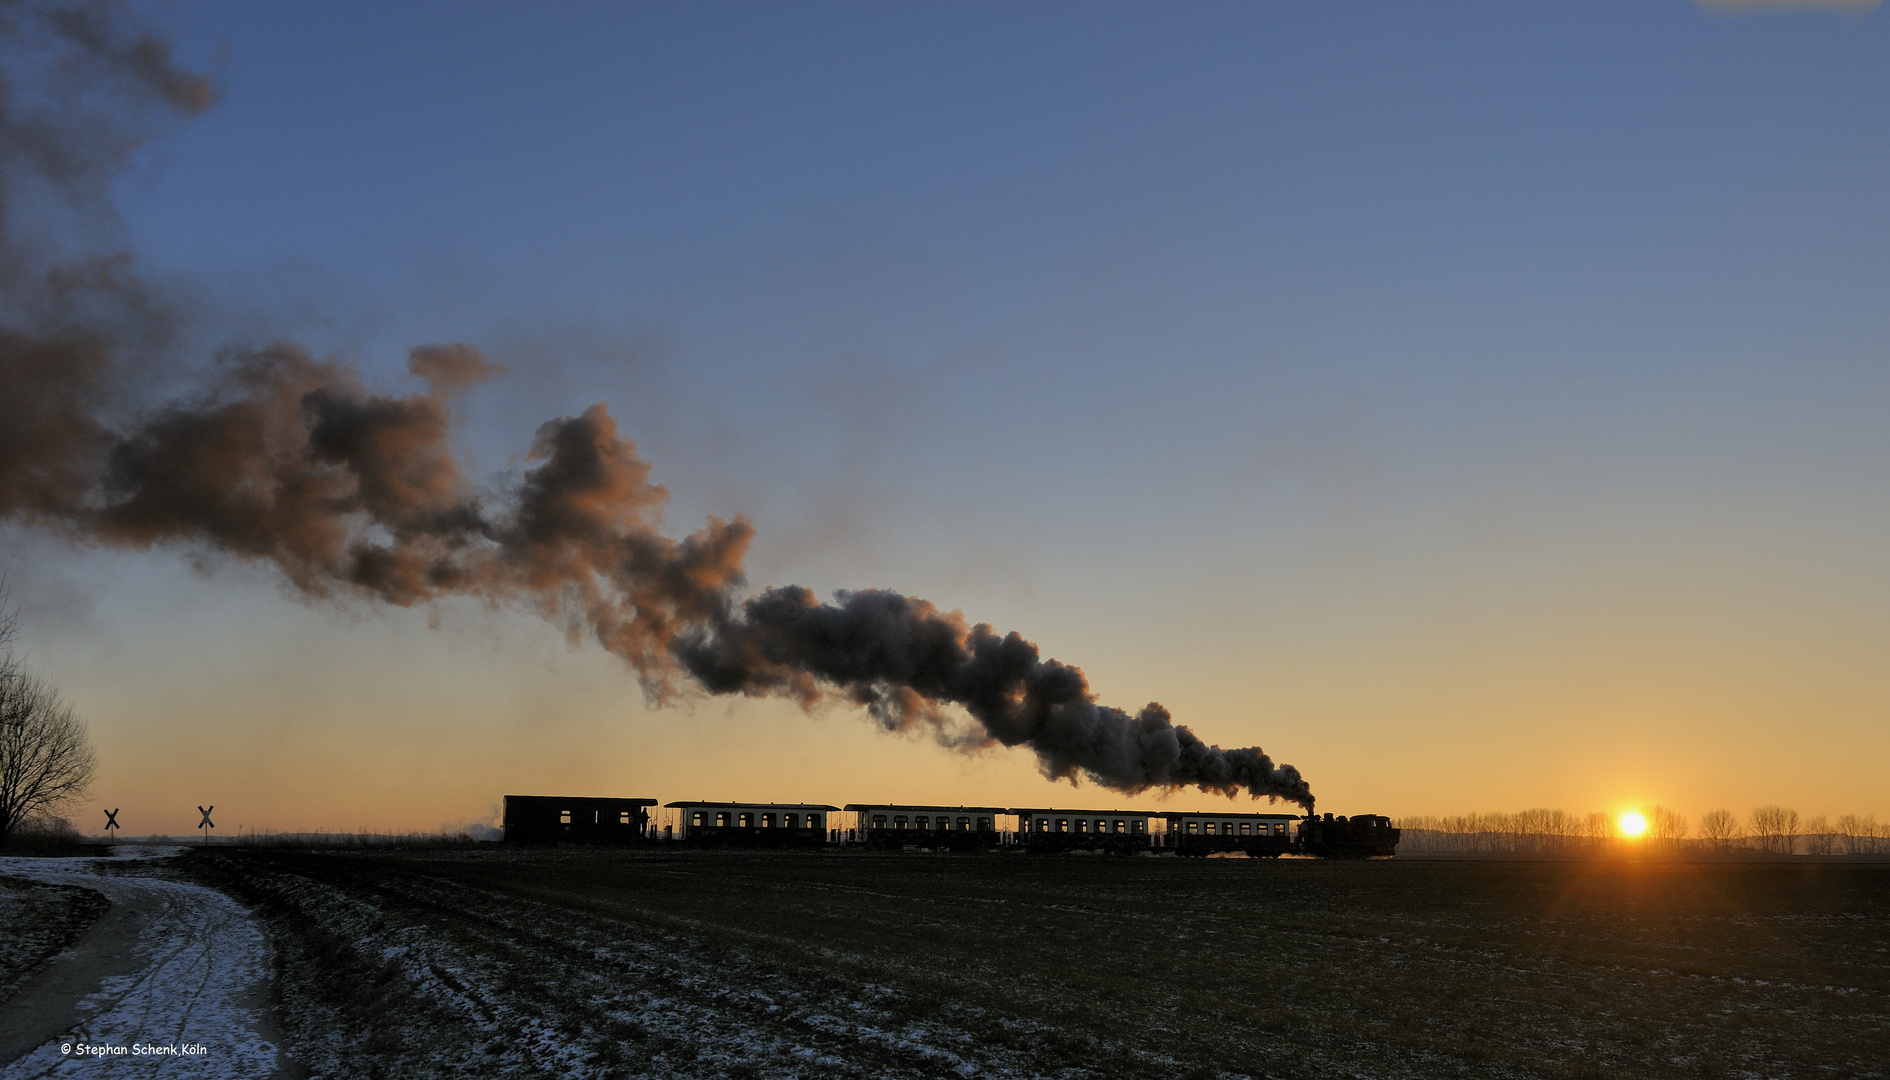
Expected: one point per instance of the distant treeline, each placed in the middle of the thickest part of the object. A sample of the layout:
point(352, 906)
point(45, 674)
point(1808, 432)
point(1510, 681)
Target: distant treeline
point(1775, 829)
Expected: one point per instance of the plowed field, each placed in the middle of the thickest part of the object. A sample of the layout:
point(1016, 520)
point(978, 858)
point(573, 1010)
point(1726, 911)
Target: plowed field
point(667, 964)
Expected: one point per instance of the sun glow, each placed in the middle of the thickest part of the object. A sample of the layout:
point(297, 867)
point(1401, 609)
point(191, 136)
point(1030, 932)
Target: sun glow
point(1632, 824)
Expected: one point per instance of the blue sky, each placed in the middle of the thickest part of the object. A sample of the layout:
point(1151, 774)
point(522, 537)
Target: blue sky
point(1476, 405)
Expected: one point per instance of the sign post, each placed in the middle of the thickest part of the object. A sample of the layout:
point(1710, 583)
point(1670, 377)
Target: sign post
point(206, 824)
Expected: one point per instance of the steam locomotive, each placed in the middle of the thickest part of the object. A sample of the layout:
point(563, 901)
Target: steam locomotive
point(539, 819)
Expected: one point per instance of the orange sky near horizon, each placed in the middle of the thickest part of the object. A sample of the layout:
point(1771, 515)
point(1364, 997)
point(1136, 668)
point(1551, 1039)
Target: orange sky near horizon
point(295, 717)
point(1475, 407)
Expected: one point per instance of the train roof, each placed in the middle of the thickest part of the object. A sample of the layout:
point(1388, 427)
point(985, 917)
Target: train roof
point(1221, 814)
point(854, 806)
point(582, 799)
point(775, 805)
point(1028, 810)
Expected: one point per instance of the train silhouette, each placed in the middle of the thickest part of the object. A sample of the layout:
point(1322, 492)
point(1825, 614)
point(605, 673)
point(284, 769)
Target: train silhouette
point(551, 819)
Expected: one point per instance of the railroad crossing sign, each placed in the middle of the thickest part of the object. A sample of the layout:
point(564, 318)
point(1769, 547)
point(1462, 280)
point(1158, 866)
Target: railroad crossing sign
point(111, 819)
point(206, 823)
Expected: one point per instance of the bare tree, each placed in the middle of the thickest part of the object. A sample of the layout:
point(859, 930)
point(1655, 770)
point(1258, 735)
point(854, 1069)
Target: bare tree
point(1719, 828)
point(1859, 836)
point(1776, 828)
point(1819, 840)
point(1599, 827)
point(45, 757)
point(1668, 826)
point(1848, 828)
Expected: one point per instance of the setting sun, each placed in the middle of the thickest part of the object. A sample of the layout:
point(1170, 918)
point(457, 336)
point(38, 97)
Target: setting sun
point(1632, 824)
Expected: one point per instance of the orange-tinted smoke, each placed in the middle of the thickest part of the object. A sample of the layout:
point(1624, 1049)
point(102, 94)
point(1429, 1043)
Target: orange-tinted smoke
point(285, 457)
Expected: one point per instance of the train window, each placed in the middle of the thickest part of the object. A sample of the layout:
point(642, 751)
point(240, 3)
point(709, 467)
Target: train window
point(564, 817)
point(1245, 828)
point(879, 821)
point(1043, 824)
point(922, 822)
point(623, 817)
point(697, 819)
point(1063, 825)
point(1193, 828)
point(1082, 825)
point(813, 821)
point(746, 821)
point(721, 819)
point(1138, 826)
point(984, 824)
point(899, 822)
point(964, 824)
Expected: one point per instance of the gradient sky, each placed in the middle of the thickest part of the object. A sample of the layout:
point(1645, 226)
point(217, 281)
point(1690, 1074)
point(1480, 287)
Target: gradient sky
point(1478, 406)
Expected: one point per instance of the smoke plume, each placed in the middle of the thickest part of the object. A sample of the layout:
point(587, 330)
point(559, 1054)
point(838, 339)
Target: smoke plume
point(281, 456)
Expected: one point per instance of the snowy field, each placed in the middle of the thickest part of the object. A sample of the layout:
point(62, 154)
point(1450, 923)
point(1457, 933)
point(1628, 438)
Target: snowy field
point(745, 965)
point(37, 921)
point(173, 980)
point(598, 964)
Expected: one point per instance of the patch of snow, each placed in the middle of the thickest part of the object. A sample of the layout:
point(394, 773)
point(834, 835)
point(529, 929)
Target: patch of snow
point(194, 1010)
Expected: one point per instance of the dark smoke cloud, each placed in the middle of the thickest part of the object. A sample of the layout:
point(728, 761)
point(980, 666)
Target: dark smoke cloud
point(901, 657)
point(285, 457)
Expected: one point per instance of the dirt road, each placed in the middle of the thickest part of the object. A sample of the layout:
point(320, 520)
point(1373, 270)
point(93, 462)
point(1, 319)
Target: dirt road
point(173, 980)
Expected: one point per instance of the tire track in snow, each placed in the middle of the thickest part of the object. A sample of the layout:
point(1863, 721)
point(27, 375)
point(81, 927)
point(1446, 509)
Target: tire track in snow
point(197, 975)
